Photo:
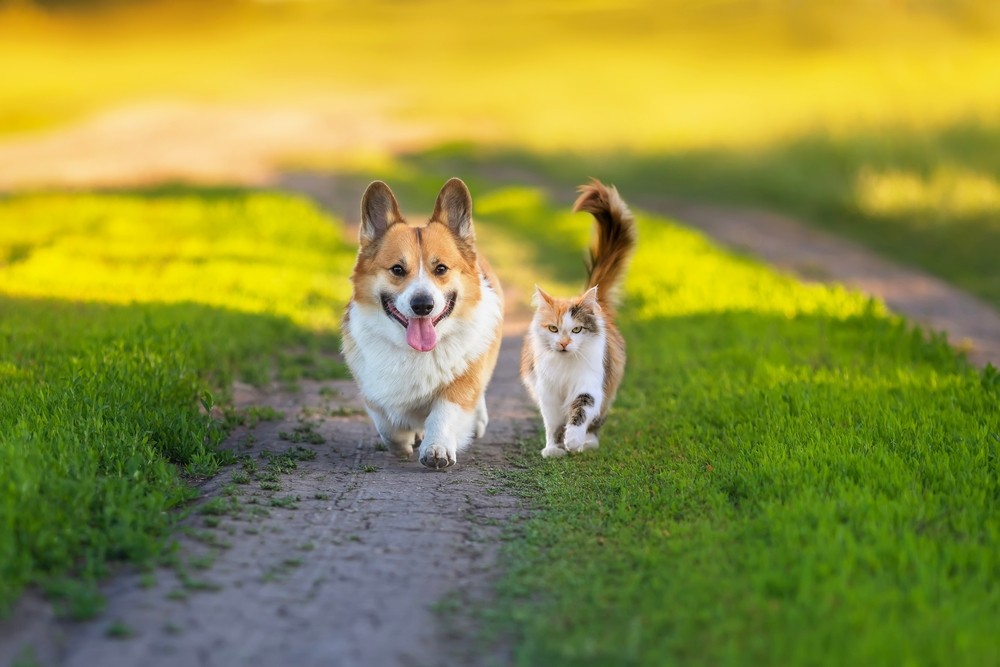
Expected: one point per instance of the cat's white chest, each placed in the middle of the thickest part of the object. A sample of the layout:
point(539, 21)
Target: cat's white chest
point(562, 376)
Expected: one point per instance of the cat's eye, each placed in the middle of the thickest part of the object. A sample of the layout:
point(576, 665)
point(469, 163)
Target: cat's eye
point(398, 270)
point(553, 328)
point(577, 329)
point(440, 270)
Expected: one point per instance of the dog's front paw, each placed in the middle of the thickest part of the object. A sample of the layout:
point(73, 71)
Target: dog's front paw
point(553, 452)
point(402, 450)
point(437, 457)
point(575, 438)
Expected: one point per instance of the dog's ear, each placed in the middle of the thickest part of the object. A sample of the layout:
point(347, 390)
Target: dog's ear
point(379, 211)
point(454, 208)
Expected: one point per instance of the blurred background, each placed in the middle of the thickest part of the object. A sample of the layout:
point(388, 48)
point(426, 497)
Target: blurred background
point(875, 118)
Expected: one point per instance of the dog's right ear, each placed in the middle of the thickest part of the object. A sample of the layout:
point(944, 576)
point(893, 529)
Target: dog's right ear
point(379, 211)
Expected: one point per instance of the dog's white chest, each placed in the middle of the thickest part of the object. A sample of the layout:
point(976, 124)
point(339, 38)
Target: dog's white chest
point(402, 381)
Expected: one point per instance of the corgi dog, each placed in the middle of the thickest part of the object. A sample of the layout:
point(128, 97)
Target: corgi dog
point(423, 327)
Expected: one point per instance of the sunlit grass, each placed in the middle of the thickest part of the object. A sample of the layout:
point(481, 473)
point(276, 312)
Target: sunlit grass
point(927, 199)
point(949, 191)
point(542, 75)
point(694, 278)
point(239, 253)
point(791, 476)
point(121, 316)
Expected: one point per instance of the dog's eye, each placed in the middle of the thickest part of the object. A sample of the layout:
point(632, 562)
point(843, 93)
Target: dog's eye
point(398, 270)
point(440, 270)
point(577, 329)
point(553, 328)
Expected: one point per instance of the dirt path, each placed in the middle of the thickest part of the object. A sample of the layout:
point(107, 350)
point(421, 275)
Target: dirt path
point(361, 571)
point(155, 142)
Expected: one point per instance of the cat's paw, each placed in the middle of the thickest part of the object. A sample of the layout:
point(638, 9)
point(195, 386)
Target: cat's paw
point(437, 457)
point(575, 438)
point(590, 442)
point(553, 452)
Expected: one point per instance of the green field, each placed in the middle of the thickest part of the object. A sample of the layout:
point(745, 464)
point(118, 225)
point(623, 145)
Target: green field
point(787, 466)
point(121, 317)
point(792, 475)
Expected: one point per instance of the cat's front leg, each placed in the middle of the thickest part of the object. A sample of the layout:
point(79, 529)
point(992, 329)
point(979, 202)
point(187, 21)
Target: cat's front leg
point(555, 426)
point(448, 428)
point(583, 410)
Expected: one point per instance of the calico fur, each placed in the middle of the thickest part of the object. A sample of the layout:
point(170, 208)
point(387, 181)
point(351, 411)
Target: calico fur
point(573, 357)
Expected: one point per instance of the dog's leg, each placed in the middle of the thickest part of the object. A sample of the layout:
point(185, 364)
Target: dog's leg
point(555, 425)
point(448, 428)
point(400, 442)
point(583, 410)
point(482, 418)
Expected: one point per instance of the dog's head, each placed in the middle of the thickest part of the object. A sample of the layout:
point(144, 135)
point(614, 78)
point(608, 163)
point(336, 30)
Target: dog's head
point(422, 278)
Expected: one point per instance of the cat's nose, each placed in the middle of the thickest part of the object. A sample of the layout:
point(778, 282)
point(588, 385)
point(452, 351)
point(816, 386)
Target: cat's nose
point(422, 304)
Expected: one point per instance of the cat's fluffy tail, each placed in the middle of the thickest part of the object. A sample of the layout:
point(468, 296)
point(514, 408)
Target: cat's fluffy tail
point(616, 238)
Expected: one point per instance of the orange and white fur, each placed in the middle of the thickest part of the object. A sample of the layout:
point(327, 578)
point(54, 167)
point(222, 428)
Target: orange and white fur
point(573, 357)
point(422, 330)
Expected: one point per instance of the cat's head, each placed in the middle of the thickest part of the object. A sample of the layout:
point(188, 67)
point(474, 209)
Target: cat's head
point(565, 325)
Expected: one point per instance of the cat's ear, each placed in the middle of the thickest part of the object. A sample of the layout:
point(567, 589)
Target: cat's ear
point(379, 211)
point(541, 296)
point(589, 298)
point(454, 208)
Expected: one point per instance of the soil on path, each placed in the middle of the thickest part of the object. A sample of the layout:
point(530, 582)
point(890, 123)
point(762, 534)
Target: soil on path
point(356, 560)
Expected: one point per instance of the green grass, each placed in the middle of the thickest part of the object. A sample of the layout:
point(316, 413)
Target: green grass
point(930, 199)
point(121, 315)
point(791, 475)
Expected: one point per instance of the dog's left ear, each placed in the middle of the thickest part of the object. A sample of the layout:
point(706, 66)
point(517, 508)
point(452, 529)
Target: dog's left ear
point(379, 211)
point(454, 208)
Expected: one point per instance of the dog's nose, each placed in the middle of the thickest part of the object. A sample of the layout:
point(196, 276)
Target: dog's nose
point(422, 304)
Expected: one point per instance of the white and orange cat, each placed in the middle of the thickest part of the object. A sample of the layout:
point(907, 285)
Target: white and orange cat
point(573, 357)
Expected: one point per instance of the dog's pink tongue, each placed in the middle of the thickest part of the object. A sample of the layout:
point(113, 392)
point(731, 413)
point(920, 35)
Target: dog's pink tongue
point(420, 334)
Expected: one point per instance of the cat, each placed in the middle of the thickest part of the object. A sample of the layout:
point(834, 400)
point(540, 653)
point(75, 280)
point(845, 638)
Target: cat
point(573, 357)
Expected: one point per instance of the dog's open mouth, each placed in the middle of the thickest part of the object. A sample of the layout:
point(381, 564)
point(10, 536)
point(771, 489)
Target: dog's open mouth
point(420, 332)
